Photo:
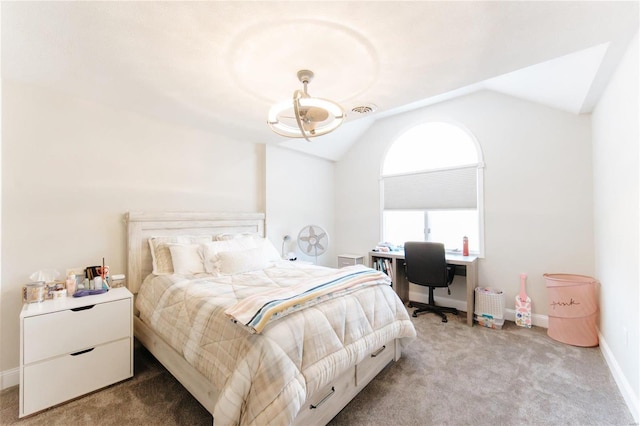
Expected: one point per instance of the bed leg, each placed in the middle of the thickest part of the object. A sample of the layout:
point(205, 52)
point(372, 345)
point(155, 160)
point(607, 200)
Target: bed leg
point(398, 350)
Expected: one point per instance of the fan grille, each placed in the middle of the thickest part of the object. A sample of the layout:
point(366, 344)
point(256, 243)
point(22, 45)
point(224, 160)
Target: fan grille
point(313, 240)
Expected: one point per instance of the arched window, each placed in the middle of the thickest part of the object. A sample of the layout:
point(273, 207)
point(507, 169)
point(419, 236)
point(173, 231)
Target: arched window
point(432, 187)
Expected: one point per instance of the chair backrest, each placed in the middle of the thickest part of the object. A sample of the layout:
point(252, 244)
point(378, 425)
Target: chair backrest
point(426, 263)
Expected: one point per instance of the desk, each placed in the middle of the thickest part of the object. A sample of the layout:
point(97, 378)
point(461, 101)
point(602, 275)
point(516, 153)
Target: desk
point(401, 285)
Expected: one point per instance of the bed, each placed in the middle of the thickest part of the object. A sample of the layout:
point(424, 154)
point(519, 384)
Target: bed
point(298, 359)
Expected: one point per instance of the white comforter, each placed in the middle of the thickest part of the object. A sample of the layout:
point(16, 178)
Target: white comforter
point(265, 378)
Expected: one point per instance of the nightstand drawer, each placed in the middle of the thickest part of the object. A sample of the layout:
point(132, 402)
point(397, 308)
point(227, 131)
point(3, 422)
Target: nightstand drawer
point(60, 379)
point(342, 262)
point(350, 259)
point(71, 330)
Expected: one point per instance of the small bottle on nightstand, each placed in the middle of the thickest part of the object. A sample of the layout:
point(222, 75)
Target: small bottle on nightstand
point(71, 284)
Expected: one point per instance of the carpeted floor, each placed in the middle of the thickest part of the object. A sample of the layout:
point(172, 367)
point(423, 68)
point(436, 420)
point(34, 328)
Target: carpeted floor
point(451, 374)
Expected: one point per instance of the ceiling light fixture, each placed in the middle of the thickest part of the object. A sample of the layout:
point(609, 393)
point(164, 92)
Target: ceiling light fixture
point(304, 116)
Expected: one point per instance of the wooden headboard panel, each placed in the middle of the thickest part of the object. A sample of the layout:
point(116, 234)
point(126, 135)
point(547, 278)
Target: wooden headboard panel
point(142, 225)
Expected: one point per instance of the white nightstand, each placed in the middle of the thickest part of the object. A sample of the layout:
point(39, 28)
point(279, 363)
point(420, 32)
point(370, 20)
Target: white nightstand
point(73, 346)
point(350, 259)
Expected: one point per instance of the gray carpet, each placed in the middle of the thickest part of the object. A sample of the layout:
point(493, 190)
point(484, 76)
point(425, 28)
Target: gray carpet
point(451, 375)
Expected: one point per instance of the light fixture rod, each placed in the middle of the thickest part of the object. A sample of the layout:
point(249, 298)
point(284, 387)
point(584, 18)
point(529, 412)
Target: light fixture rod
point(305, 77)
point(304, 116)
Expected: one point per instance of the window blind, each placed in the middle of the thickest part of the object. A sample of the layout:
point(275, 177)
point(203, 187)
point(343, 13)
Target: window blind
point(431, 190)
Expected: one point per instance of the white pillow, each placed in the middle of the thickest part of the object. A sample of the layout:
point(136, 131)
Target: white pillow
point(270, 250)
point(160, 254)
point(239, 261)
point(211, 249)
point(186, 258)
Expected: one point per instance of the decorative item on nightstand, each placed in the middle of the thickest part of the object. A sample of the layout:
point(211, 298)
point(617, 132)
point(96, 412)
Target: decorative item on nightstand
point(33, 292)
point(117, 280)
point(284, 240)
point(350, 259)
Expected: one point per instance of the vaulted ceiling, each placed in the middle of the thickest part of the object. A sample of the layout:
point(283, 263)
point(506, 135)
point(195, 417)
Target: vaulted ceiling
point(218, 66)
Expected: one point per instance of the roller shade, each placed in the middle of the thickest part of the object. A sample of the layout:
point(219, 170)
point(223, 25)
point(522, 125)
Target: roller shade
point(437, 189)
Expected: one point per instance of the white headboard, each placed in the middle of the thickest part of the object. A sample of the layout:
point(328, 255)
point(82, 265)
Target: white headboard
point(142, 225)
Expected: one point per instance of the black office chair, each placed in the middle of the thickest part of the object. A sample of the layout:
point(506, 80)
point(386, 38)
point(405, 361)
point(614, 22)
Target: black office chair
point(425, 265)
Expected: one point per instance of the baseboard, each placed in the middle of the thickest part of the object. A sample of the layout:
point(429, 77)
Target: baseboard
point(9, 378)
point(509, 314)
point(460, 305)
point(632, 400)
point(629, 396)
point(536, 319)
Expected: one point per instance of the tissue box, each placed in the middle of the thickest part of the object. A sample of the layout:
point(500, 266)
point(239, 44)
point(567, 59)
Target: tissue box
point(117, 281)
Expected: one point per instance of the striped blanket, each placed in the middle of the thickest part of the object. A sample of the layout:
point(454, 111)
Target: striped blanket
point(256, 311)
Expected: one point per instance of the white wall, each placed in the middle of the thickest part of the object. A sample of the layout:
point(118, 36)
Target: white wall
point(537, 186)
point(1, 298)
point(617, 214)
point(300, 191)
point(71, 169)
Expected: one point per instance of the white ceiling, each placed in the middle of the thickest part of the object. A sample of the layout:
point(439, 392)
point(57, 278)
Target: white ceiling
point(219, 66)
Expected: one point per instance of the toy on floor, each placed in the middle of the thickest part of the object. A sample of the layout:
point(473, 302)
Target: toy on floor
point(523, 305)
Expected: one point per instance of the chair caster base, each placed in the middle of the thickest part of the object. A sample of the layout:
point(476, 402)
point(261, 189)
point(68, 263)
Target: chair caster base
point(438, 310)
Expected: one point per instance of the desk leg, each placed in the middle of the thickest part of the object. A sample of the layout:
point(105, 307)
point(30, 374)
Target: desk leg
point(472, 283)
point(400, 283)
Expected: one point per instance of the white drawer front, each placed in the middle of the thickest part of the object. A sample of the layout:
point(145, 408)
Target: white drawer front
point(369, 367)
point(328, 401)
point(348, 261)
point(67, 331)
point(69, 376)
point(342, 262)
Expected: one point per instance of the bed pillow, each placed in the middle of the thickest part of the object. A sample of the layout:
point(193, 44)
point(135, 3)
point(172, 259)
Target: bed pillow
point(249, 239)
point(240, 261)
point(211, 249)
point(160, 254)
point(186, 258)
point(270, 250)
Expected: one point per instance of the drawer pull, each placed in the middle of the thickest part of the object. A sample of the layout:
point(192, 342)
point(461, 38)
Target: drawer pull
point(82, 352)
point(322, 401)
point(376, 353)
point(82, 308)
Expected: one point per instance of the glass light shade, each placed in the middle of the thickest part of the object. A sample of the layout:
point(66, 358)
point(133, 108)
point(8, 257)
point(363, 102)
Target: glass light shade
point(282, 119)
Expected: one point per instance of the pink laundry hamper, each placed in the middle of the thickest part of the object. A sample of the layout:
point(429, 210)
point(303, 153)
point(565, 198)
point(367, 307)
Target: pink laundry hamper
point(573, 309)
